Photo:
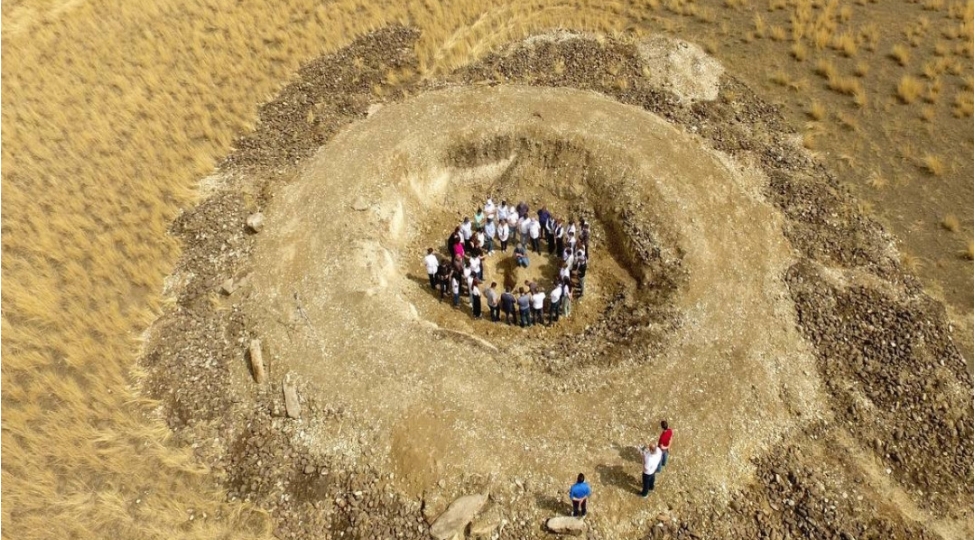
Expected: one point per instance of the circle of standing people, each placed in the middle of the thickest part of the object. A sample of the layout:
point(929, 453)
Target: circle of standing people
point(495, 228)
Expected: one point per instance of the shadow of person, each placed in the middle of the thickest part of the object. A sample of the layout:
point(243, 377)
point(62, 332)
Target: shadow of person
point(553, 505)
point(628, 453)
point(423, 281)
point(620, 477)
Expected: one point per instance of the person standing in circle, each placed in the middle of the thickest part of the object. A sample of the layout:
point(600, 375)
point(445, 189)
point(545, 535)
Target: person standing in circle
point(508, 303)
point(476, 298)
point(579, 494)
point(432, 264)
point(504, 231)
point(664, 443)
point(493, 302)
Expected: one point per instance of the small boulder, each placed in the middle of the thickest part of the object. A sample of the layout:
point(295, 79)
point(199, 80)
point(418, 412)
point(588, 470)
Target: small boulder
point(485, 525)
point(566, 525)
point(452, 523)
point(360, 204)
point(255, 222)
point(291, 404)
point(228, 286)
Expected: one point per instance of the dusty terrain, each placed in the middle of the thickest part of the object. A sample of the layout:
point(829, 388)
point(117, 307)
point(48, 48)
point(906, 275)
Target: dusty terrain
point(115, 116)
point(740, 257)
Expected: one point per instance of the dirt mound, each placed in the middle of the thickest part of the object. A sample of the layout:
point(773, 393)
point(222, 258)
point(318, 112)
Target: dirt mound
point(716, 202)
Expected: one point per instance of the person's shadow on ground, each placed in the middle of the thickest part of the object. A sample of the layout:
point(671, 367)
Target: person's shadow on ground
point(553, 504)
point(620, 477)
point(628, 453)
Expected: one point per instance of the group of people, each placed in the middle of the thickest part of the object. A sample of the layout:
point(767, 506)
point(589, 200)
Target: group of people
point(654, 456)
point(500, 226)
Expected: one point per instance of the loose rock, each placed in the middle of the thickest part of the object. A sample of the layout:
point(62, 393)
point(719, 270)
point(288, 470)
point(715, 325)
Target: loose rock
point(451, 523)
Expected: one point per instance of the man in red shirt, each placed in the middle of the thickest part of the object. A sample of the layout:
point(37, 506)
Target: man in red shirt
point(664, 443)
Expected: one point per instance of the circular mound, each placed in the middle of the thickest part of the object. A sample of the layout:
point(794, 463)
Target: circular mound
point(694, 281)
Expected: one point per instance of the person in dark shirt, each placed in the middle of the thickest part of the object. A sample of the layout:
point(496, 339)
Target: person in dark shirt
point(508, 306)
point(524, 307)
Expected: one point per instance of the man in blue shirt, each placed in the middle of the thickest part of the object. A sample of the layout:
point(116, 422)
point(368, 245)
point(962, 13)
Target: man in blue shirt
point(579, 493)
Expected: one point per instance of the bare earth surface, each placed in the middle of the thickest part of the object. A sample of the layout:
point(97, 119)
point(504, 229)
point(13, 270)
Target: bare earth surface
point(736, 290)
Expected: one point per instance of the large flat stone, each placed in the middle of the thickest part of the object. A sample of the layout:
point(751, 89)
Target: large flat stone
point(452, 523)
point(566, 525)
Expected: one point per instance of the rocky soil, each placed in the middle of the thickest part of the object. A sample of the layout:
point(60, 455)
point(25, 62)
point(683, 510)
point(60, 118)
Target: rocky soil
point(900, 393)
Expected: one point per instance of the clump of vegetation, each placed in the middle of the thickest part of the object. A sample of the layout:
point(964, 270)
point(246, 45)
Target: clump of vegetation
point(933, 164)
point(909, 88)
point(950, 223)
point(901, 54)
point(816, 111)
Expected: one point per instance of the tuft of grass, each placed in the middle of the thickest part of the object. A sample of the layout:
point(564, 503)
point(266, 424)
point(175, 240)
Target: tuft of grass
point(927, 114)
point(950, 223)
point(816, 111)
point(909, 88)
point(777, 33)
point(825, 69)
point(799, 51)
point(969, 251)
point(933, 164)
point(901, 54)
point(877, 181)
point(963, 105)
point(861, 69)
point(760, 25)
point(849, 86)
point(780, 78)
point(912, 263)
point(933, 90)
point(846, 44)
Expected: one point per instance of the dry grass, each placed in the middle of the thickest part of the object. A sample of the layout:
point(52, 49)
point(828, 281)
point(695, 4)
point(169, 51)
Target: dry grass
point(933, 164)
point(969, 251)
point(951, 223)
point(901, 54)
point(909, 89)
point(798, 51)
point(816, 111)
point(963, 105)
point(846, 44)
point(861, 69)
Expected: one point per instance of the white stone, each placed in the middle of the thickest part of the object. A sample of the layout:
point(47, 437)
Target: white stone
point(255, 222)
point(566, 525)
point(452, 523)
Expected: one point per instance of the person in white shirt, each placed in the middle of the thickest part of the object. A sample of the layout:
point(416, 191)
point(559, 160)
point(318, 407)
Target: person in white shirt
point(466, 232)
point(554, 299)
point(564, 272)
point(524, 224)
point(513, 222)
point(490, 231)
point(455, 288)
point(566, 298)
point(476, 268)
point(433, 264)
point(468, 276)
point(490, 210)
point(503, 211)
point(538, 306)
point(504, 231)
point(476, 299)
point(651, 460)
point(535, 234)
